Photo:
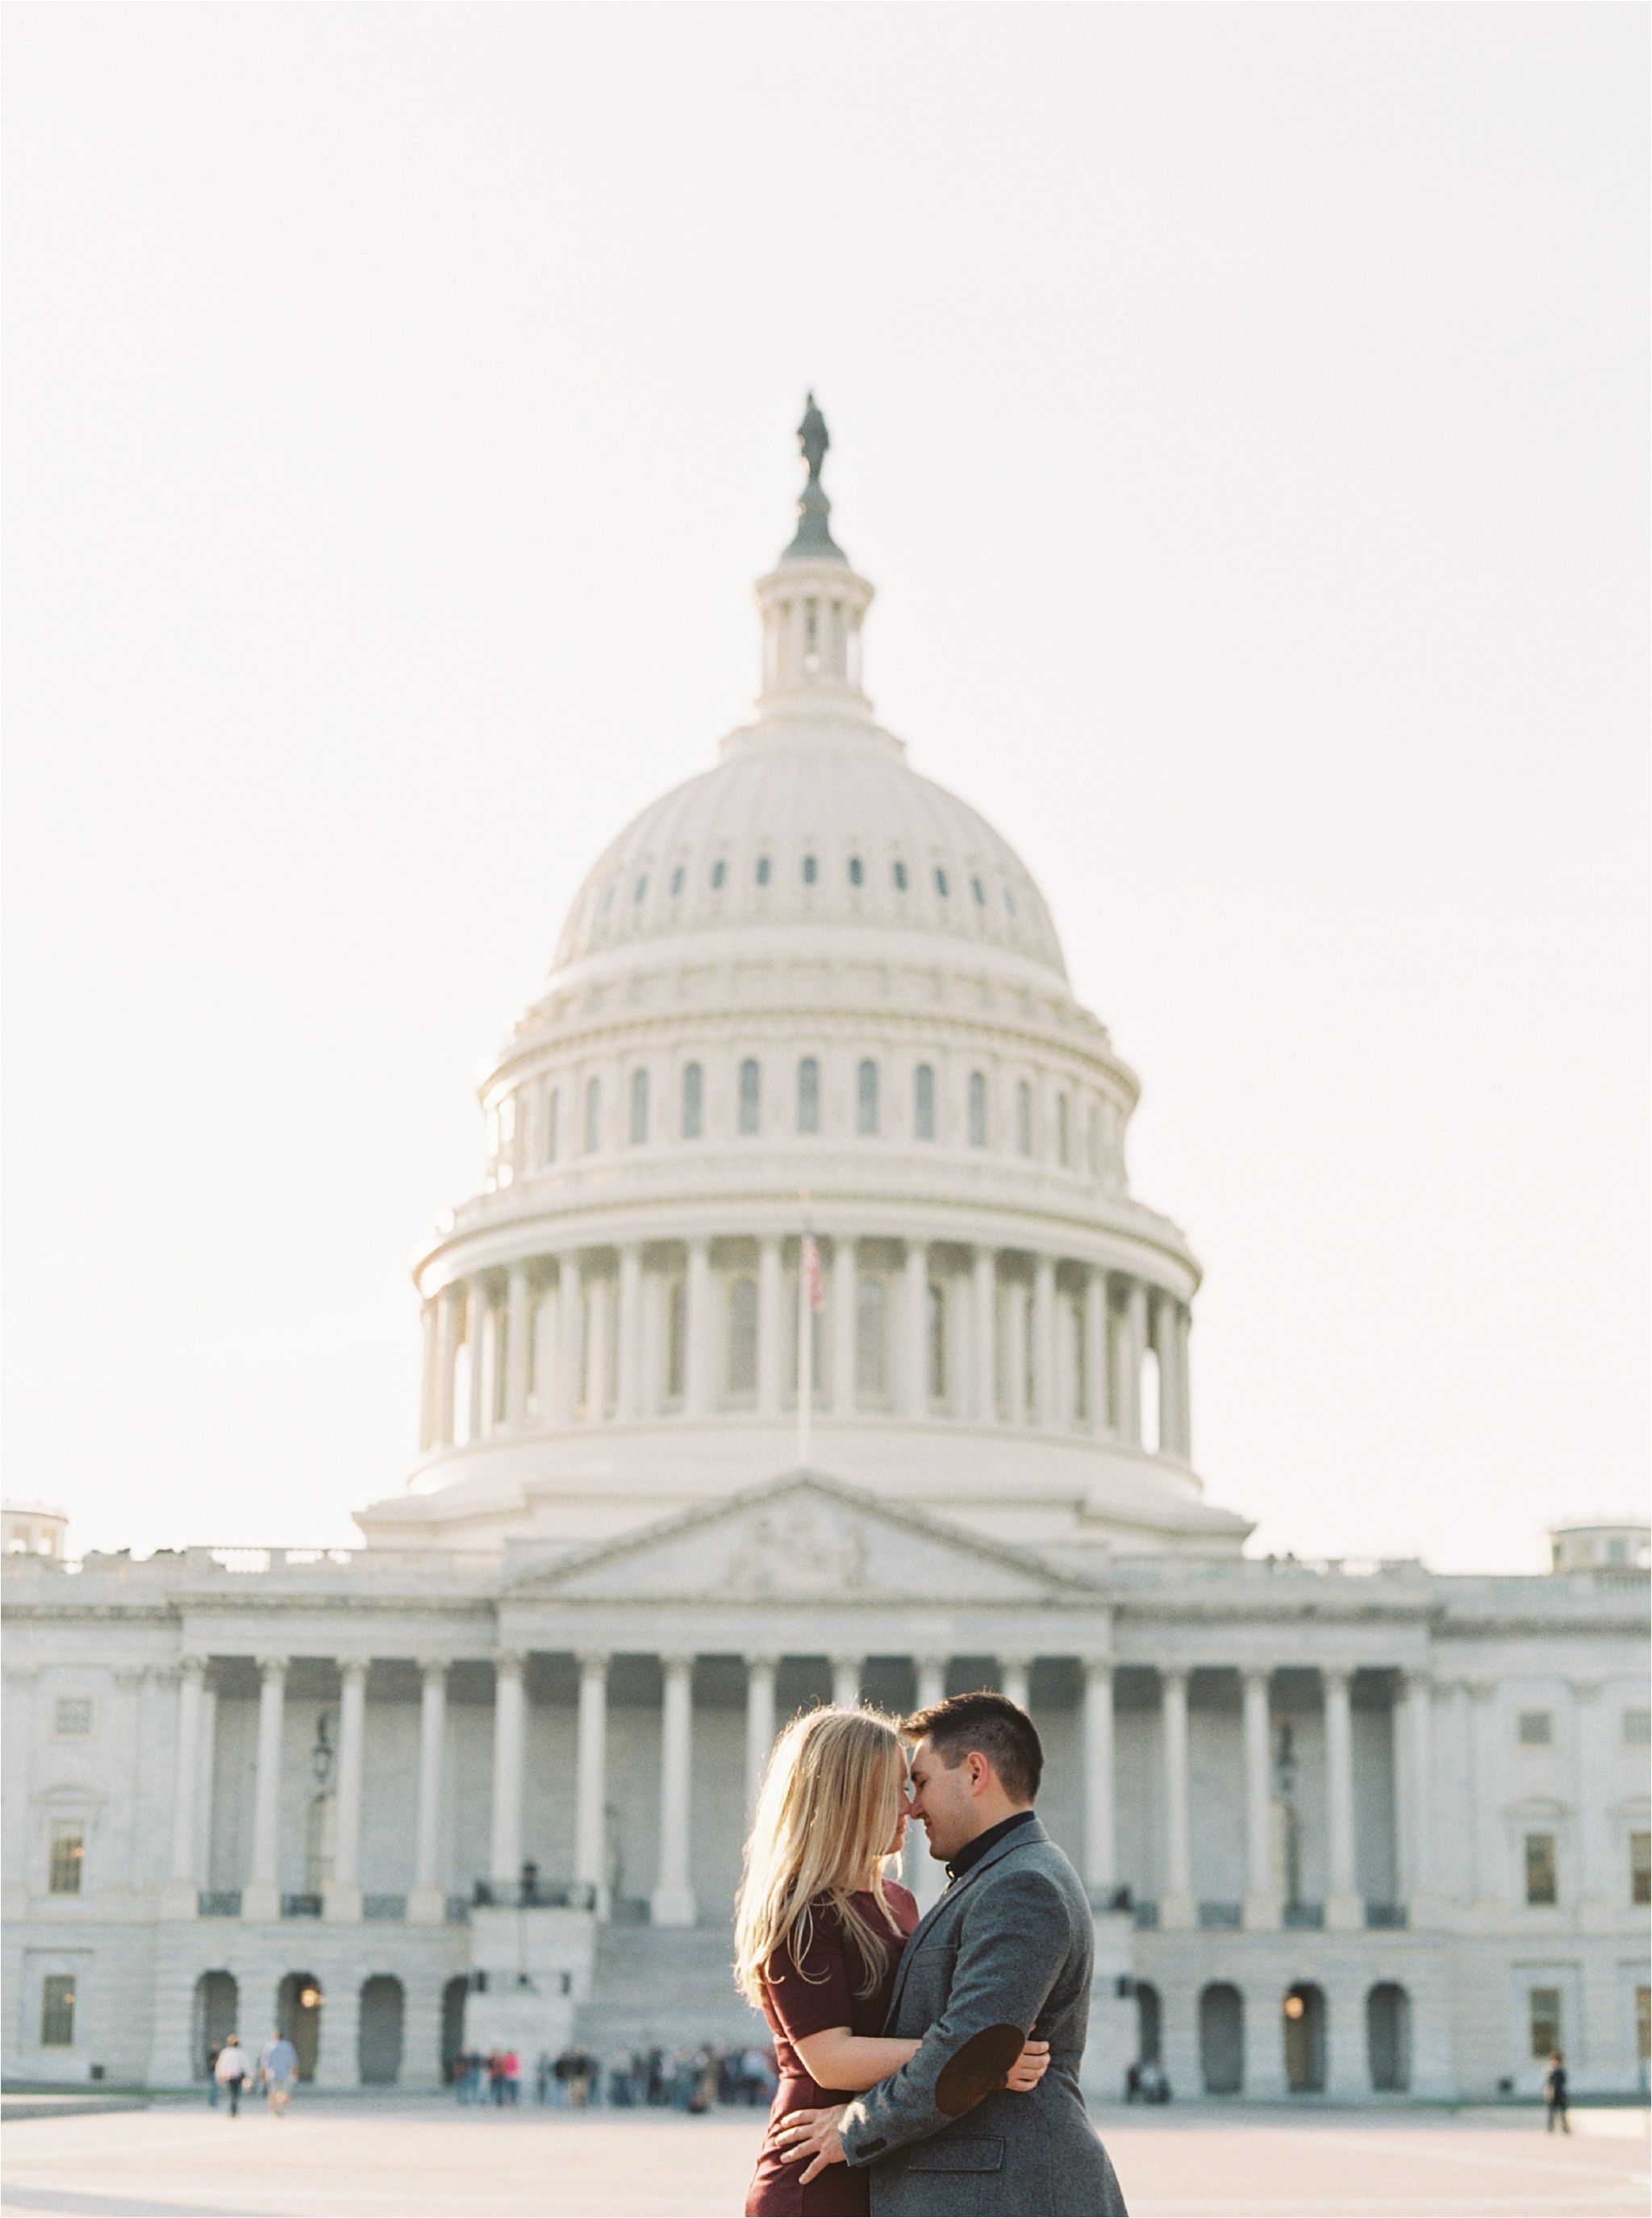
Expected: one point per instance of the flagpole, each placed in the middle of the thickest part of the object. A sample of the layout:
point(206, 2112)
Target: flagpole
point(805, 1344)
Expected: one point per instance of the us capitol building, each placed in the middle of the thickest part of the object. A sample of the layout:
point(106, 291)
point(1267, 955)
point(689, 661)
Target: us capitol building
point(1350, 1828)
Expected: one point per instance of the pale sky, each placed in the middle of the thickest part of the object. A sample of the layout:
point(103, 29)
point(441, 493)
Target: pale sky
point(1241, 412)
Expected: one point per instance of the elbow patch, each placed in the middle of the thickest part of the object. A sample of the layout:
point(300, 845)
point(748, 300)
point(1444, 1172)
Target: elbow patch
point(977, 2070)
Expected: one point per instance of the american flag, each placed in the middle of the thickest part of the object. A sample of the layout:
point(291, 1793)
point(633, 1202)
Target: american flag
point(812, 1295)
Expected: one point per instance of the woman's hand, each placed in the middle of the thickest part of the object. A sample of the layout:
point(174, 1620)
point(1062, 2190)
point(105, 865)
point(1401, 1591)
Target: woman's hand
point(1029, 2067)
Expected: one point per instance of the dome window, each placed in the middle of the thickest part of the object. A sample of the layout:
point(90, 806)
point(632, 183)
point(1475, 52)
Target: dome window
point(743, 1336)
point(719, 873)
point(751, 1095)
point(763, 870)
point(553, 1103)
point(1063, 1131)
point(942, 887)
point(693, 1101)
point(935, 1338)
point(1009, 900)
point(979, 892)
point(923, 1101)
point(640, 894)
point(639, 1107)
point(592, 1115)
point(1023, 1119)
point(978, 1109)
point(900, 877)
point(676, 881)
point(809, 1095)
point(857, 870)
point(865, 1099)
point(810, 870)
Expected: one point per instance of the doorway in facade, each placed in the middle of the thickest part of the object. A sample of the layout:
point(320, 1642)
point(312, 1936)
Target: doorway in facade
point(1304, 2014)
point(1387, 2038)
point(453, 1997)
point(379, 2037)
point(217, 2014)
point(299, 2015)
point(1147, 2023)
point(1222, 2039)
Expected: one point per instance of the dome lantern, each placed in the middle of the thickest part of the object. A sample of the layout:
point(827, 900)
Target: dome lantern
point(813, 605)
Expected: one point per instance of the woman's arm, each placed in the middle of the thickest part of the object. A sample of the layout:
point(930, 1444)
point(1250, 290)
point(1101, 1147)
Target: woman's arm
point(853, 2061)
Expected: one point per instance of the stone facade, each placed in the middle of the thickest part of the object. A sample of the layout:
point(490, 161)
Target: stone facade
point(693, 1452)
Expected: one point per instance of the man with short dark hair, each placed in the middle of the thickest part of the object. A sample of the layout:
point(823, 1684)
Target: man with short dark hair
point(1004, 1955)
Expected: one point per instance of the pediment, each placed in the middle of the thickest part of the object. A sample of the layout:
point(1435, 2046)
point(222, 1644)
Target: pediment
point(806, 1538)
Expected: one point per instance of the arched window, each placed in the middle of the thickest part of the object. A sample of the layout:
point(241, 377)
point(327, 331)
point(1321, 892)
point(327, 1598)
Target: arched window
point(857, 870)
point(936, 1322)
point(641, 894)
point(978, 1108)
point(866, 1096)
point(941, 886)
point(751, 1095)
point(639, 1107)
point(743, 1336)
point(676, 1340)
point(1009, 900)
point(693, 1101)
point(871, 1363)
point(924, 1102)
point(592, 1115)
point(719, 873)
point(979, 892)
point(1063, 1130)
point(553, 1103)
point(676, 881)
point(811, 869)
point(763, 870)
point(809, 1095)
point(900, 877)
point(1095, 1144)
point(1023, 1118)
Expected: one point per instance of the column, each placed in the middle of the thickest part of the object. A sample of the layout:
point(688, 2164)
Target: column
point(1045, 1392)
point(1135, 1339)
point(1593, 1876)
point(510, 1721)
point(1176, 1905)
point(342, 1893)
point(924, 1875)
point(759, 1723)
point(600, 1355)
point(570, 1338)
point(1013, 1296)
point(628, 1390)
point(181, 1895)
point(674, 1898)
point(590, 1781)
point(984, 1278)
point(914, 1380)
point(697, 1328)
point(1101, 1852)
point(427, 1903)
point(1419, 1797)
point(1096, 1386)
point(1183, 1383)
point(1164, 1306)
point(846, 1683)
point(206, 1774)
point(447, 1342)
point(429, 1393)
point(1344, 1911)
point(841, 1311)
point(476, 1310)
point(771, 1326)
point(1261, 1902)
point(1016, 1680)
point(261, 1898)
point(1400, 1719)
point(518, 1325)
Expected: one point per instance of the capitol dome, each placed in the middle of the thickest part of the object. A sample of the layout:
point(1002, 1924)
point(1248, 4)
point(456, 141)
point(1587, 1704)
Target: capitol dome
point(807, 1050)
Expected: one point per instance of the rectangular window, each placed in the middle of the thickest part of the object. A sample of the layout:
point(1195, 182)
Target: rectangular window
point(1640, 1868)
point(1537, 1729)
point(1637, 1728)
point(57, 2011)
point(68, 1853)
point(1541, 1887)
point(553, 1103)
point(1544, 2003)
point(74, 1715)
point(1063, 1130)
point(978, 1109)
point(751, 1095)
point(592, 1115)
point(1642, 2024)
point(639, 1107)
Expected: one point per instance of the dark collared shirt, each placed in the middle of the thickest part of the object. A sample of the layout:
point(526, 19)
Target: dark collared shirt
point(972, 1851)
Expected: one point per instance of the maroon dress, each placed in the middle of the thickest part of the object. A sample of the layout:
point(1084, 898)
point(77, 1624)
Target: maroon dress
point(795, 2008)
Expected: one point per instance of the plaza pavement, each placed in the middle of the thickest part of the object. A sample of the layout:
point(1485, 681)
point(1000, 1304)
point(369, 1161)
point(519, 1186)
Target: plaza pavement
point(362, 2157)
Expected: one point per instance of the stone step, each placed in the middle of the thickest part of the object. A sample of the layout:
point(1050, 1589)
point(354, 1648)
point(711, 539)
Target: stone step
point(668, 1986)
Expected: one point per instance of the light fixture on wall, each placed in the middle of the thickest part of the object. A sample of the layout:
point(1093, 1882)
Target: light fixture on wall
point(309, 1998)
point(321, 1753)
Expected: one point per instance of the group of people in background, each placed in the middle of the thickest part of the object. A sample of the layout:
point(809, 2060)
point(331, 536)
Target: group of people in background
point(692, 2079)
point(231, 2069)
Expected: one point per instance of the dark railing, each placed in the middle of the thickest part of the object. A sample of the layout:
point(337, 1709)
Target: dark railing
point(1304, 1917)
point(1387, 1917)
point(1146, 1915)
point(300, 1906)
point(1117, 1899)
point(391, 1908)
point(1220, 1916)
point(458, 1909)
point(534, 1894)
point(219, 1902)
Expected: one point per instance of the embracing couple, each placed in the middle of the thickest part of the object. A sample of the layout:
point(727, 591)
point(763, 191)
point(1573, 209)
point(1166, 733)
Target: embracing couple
point(927, 2066)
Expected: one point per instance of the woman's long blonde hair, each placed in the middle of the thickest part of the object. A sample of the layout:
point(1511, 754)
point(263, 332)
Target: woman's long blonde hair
point(830, 1800)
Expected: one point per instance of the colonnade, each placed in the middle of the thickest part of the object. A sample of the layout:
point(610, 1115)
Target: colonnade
point(673, 1903)
point(913, 1330)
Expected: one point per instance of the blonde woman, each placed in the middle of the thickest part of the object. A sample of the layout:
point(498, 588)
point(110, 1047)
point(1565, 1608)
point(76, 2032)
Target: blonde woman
point(818, 1936)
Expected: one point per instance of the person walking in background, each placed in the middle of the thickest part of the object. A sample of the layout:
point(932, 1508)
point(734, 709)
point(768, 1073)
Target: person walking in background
point(1554, 2095)
point(512, 2077)
point(279, 2069)
point(229, 2073)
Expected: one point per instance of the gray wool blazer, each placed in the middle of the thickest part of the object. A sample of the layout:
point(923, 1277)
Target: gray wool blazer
point(1006, 1951)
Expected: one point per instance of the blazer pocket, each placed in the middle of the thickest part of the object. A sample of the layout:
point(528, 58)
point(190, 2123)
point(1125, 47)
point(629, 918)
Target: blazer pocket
point(958, 2153)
